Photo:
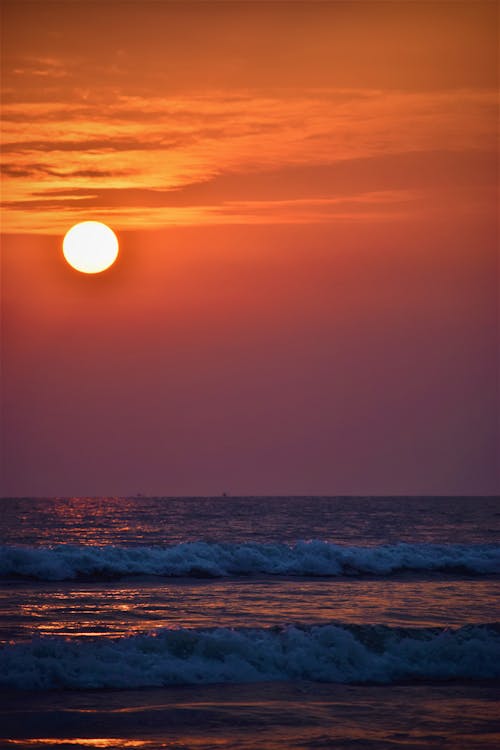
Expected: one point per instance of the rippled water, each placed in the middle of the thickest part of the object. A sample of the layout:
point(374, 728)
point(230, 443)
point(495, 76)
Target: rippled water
point(344, 520)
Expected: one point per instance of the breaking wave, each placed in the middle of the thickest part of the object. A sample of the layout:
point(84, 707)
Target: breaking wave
point(327, 653)
point(203, 559)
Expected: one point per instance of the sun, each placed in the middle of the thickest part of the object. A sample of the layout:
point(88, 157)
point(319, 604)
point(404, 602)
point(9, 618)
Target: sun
point(90, 247)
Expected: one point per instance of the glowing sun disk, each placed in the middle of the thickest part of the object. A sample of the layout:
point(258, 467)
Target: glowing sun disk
point(90, 247)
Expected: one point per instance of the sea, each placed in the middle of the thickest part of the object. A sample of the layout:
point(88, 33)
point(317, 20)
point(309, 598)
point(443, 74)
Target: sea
point(250, 622)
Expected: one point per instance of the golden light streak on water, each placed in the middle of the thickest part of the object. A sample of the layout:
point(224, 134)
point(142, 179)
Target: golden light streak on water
point(113, 742)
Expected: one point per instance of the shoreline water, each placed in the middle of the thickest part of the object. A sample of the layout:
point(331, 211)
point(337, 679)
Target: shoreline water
point(421, 640)
point(296, 716)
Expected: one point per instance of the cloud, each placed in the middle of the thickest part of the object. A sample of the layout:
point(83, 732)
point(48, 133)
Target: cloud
point(213, 150)
point(96, 145)
point(10, 170)
point(395, 172)
point(44, 67)
point(33, 170)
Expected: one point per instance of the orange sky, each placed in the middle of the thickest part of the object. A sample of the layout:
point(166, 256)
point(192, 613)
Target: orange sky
point(165, 113)
point(305, 193)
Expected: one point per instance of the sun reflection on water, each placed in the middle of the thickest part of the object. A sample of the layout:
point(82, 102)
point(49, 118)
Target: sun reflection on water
point(126, 608)
point(114, 742)
point(118, 742)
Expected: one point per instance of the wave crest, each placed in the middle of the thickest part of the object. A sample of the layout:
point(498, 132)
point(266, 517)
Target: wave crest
point(328, 653)
point(203, 559)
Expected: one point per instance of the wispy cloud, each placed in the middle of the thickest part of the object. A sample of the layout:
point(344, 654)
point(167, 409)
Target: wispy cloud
point(219, 155)
point(40, 67)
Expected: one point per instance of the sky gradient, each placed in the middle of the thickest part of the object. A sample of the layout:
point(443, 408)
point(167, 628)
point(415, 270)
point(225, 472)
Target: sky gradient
point(306, 298)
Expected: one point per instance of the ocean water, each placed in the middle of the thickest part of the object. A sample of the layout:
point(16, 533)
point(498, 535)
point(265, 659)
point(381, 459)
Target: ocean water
point(250, 622)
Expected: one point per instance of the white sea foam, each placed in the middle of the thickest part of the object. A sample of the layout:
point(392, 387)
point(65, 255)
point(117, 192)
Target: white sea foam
point(328, 653)
point(313, 558)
